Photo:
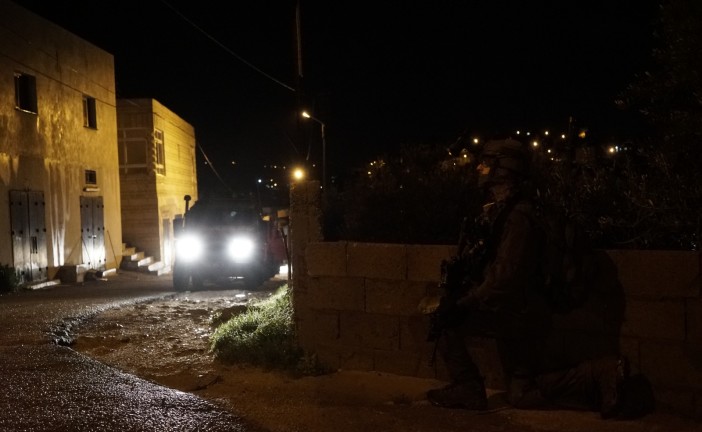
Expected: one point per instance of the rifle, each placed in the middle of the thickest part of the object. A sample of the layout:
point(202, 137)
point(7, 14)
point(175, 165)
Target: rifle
point(458, 274)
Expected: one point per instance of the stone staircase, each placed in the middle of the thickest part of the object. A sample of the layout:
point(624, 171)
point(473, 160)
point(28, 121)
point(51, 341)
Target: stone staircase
point(134, 260)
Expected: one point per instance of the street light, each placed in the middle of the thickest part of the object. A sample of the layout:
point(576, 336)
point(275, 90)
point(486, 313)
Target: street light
point(305, 114)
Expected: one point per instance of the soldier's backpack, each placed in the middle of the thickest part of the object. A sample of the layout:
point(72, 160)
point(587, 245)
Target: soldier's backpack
point(568, 262)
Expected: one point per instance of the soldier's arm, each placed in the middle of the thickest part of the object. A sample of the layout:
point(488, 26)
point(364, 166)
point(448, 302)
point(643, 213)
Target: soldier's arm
point(507, 275)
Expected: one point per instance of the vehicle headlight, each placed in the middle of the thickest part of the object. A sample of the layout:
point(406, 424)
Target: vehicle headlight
point(240, 249)
point(189, 248)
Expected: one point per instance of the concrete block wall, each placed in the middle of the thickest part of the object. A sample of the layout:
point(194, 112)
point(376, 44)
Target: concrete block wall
point(356, 307)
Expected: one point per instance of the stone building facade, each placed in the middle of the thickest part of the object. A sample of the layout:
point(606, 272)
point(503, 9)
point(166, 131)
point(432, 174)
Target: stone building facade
point(59, 177)
point(157, 169)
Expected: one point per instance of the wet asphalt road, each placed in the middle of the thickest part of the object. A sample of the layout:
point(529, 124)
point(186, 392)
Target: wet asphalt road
point(46, 386)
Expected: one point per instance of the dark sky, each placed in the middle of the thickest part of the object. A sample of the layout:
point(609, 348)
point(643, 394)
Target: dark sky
point(379, 74)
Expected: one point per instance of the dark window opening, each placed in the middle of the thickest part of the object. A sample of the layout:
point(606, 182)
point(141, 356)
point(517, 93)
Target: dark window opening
point(25, 93)
point(89, 112)
point(90, 177)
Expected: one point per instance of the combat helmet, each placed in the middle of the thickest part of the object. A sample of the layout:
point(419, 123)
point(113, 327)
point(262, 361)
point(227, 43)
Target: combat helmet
point(508, 159)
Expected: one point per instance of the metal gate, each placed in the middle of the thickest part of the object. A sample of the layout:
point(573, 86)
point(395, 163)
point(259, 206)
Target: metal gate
point(27, 212)
point(92, 228)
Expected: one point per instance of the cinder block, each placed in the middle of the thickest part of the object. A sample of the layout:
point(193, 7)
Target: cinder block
point(424, 262)
point(670, 364)
point(336, 293)
point(369, 331)
point(693, 316)
point(73, 273)
point(677, 401)
point(319, 328)
point(413, 332)
point(658, 273)
point(326, 259)
point(396, 297)
point(328, 356)
point(377, 260)
point(356, 359)
point(655, 319)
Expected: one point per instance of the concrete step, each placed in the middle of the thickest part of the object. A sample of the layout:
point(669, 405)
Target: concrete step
point(134, 260)
point(137, 264)
point(159, 268)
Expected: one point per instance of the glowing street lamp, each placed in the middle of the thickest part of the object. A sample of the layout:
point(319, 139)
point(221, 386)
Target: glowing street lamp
point(305, 114)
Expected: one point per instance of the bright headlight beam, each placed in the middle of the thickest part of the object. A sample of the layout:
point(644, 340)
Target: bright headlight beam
point(240, 249)
point(189, 248)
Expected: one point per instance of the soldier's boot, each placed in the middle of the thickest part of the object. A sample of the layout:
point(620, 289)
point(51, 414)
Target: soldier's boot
point(469, 395)
point(610, 374)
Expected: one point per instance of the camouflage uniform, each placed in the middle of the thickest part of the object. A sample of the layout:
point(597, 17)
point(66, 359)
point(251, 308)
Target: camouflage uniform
point(506, 302)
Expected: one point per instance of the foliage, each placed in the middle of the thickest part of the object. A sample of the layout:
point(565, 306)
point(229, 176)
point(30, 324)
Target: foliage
point(8, 278)
point(263, 335)
point(419, 197)
point(663, 176)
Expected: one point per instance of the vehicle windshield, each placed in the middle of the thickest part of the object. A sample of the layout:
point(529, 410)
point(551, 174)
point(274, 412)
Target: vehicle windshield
point(222, 214)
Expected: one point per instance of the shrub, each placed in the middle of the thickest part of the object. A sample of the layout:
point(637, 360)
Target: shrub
point(9, 282)
point(418, 197)
point(639, 198)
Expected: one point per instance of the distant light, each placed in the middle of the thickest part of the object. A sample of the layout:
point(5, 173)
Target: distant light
point(528, 133)
point(260, 181)
point(546, 132)
point(612, 149)
point(548, 151)
point(535, 143)
point(582, 134)
point(518, 132)
point(563, 136)
point(305, 114)
point(475, 140)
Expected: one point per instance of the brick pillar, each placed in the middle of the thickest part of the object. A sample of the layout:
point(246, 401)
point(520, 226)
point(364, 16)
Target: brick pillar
point(305, 227)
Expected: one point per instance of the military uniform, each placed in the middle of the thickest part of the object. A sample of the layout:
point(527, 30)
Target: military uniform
point(505, 300)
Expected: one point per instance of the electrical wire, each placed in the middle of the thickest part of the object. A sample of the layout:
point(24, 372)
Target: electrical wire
point(207, 160)
point(225, 48)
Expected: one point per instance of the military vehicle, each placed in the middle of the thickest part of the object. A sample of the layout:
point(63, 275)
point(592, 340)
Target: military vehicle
point(224, 241)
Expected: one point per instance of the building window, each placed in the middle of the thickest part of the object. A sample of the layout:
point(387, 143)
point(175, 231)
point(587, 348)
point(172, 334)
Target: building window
point(89, 113)
point(25, 92)
point(133, 150)
point(90, 177)
point(159, 153)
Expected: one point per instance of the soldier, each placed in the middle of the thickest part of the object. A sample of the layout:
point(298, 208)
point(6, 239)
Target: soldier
point(503, 300)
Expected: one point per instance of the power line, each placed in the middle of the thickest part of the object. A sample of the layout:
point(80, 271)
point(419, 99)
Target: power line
point(207, 160)
point(225, 48)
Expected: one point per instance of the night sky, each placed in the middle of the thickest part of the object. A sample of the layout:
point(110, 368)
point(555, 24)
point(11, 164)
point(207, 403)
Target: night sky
point(379, 74)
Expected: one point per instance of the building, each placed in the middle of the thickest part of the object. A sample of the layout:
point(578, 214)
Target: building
point(157, 169)
point(59, 173)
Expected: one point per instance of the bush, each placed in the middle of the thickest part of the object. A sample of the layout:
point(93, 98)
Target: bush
point(9, 282)
point(417, 197)
point(639, 198)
